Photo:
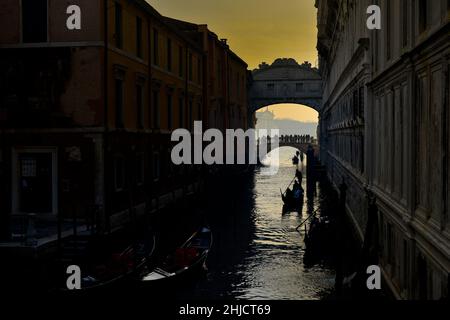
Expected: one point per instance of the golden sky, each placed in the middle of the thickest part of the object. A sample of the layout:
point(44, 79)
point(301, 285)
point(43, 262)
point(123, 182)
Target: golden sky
point(294, 112)
point(257, 31)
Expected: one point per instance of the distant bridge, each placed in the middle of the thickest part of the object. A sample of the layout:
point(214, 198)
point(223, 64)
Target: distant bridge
point(302, 143)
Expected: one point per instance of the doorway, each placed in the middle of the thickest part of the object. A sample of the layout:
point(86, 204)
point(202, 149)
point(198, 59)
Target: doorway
point(35, 181)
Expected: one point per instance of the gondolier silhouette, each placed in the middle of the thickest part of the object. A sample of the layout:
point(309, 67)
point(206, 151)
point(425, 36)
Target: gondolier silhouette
point(299, 176)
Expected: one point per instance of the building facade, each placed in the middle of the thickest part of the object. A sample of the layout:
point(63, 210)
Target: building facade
point(384, 128)
point(86, 114)
point(226, 79)
point(53, 112)
point(265, 119)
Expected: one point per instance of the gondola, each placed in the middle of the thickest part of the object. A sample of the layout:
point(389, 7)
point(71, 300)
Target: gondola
point(116, 267)
point(292, 202)
point(186, 260)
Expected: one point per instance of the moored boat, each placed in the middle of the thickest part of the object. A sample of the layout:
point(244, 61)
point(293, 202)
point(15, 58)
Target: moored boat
point(187, 259)
point(111, 269)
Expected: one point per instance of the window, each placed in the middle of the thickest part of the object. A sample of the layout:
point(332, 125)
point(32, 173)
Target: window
point(355, 104)
point(169, 54)
point(34, 21)
point(388, 29)
point(423, 276)
point(190, 115)
point(119, 173)
point(199, 71)
point(299, 87)
point(190, 66)
point(180, 61)
point(171, 165)
point(156, 166)
point(375, 52)
point(118, 25)
point(381, 234)
point(155, 47)
point(119, 103)
point(140, 168)
point(390, 244)
point(271, 87)
point(405, 273)
point(199, 111)
point(423, 15)
point(139, 107)
point(219, 74)
point(28, 167)
point(405, 6)
point(181, 112)
point(169, 111)
point(156, 112)
point(139, 37)
point(238, 86)
point(361, 102)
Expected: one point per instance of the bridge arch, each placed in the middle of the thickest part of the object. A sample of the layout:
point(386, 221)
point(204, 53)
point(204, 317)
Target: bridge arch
point(285, 82)
point(313, 104)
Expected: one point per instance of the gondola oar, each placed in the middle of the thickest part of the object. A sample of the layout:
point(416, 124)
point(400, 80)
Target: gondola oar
point(289, 185)
point(304, 221)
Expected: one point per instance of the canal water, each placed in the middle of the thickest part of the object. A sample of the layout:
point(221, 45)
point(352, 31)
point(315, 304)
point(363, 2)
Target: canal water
point(257, 252)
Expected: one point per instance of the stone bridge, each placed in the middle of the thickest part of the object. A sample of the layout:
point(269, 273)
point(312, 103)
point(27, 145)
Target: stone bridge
point(302, 143)
point(285, 81)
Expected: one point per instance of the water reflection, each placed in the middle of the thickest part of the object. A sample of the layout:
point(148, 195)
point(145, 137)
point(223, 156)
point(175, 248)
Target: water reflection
point(257, 253)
